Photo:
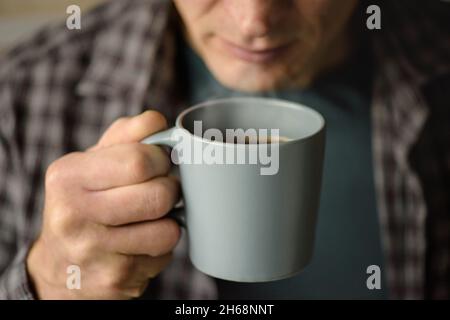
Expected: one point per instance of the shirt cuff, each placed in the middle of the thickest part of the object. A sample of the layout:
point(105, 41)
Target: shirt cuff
point(14, 282)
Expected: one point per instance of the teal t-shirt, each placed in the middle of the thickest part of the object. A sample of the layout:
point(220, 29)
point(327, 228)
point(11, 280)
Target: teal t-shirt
point(348, 236)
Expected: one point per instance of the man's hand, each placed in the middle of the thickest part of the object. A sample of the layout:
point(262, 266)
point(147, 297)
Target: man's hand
point(104, 212)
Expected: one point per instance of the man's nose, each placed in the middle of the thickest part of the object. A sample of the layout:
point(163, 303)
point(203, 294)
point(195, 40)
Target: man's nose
point(253, 17)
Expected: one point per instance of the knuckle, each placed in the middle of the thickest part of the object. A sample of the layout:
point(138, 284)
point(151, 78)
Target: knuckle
point(175, 232)
point(126, 266)
point(83, 251)
point(55, 173)
point(61, 212)
point(62, 220)
point(59, 171)
point(172, 231)
point(159, 200)
point(137, 164)
point(119, 274)
point(159, 160)
point(87, 247)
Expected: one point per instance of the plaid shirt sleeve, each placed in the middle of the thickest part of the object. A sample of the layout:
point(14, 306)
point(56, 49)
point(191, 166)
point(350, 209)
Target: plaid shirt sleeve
point(14, 283)
point(410, 130)
point(58, 92)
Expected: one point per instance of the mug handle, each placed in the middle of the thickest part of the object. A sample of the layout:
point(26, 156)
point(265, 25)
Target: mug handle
point(166, 138)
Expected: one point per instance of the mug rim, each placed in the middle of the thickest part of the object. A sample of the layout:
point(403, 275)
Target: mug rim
point(281, 102)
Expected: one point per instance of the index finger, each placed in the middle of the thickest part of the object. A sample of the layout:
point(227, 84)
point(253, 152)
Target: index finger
point(132, 129)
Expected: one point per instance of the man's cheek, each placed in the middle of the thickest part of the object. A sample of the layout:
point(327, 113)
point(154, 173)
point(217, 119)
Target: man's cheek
point(196, 9)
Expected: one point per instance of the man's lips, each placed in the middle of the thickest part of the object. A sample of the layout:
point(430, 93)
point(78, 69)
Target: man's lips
point(254, 55)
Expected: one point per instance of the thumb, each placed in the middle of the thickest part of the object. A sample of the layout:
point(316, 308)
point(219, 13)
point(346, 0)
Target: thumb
point(132, 129)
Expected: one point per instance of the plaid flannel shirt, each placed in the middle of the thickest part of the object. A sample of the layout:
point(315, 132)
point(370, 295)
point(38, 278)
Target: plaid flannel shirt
point(61, 89)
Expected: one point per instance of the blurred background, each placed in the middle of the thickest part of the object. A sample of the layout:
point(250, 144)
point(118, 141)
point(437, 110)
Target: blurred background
point(20, 18)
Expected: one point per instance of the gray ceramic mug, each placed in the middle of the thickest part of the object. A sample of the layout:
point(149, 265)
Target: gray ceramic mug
point(243, 225)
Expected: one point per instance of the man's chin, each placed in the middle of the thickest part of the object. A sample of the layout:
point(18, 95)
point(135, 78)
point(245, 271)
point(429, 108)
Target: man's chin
point(249, 82)
point(247, 77)
point(255, 78)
